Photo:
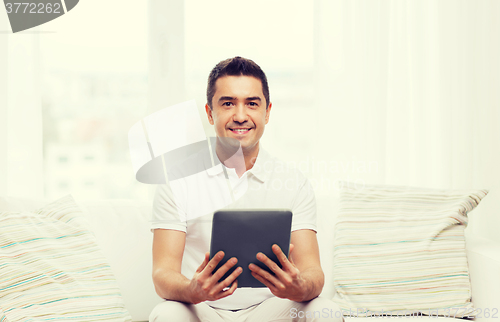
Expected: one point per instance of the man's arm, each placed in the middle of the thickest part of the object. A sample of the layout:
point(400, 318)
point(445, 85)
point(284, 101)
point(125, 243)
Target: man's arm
point(301, 277)
point(168, 247)
point(170, 284)
point(306, 258)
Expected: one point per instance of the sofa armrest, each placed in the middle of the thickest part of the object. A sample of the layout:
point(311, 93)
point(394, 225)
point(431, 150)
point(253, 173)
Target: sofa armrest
point(484, 268)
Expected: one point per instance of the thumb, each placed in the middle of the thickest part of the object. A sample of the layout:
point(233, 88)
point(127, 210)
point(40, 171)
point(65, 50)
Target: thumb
point(290, 258)
point(205, 262)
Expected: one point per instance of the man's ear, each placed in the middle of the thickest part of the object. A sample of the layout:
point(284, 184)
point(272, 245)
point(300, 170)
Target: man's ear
point(268, 111)
point(209, 114)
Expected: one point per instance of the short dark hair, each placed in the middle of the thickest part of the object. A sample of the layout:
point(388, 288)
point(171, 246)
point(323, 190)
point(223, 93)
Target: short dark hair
point(237, 66)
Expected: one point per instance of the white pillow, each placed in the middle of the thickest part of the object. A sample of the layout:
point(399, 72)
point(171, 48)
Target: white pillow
point(401, 250)
point(51, 268)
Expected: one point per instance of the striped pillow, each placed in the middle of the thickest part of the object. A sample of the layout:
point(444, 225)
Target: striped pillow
point(401, 250)
point(51, 268)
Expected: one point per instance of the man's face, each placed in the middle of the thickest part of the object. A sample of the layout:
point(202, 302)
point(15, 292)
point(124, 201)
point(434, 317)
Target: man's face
point(239, 110)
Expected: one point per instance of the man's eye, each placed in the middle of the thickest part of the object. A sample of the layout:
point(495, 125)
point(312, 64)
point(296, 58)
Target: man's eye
point(227, 104)
point(253, 104)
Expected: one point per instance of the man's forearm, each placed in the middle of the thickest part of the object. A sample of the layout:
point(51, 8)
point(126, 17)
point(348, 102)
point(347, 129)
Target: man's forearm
point(172, 285)
point(314, 281)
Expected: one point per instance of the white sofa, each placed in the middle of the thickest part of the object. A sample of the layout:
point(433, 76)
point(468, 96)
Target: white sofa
point(122, 231)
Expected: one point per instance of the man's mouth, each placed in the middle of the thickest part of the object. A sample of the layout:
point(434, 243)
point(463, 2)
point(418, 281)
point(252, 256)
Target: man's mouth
point(240, 130)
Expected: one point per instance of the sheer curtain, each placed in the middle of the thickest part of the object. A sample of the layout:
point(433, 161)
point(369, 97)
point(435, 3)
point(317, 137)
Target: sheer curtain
point(411, 87)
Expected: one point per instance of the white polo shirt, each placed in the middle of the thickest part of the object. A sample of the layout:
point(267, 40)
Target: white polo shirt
point(188, 205)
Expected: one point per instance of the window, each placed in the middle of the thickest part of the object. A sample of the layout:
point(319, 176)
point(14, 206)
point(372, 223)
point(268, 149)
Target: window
point(95, 82)
point(220, 29)
point(94, 87)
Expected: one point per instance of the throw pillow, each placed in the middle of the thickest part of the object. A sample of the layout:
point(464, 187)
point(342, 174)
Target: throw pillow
point(51, 268)
point(401, 251)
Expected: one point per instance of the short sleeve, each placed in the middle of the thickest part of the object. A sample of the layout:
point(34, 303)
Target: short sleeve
point(167, 210)
point(304, 206)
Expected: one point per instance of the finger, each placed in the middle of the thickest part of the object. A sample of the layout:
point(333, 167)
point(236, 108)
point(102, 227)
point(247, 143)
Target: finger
point(267, 283)
point(205, 262)
point(290, 257)
point(233, 288)
point(207, 271)
point(271, 264)
point(282, 257)
point(230, 291)
point(265, 275)
point(223, 270)
point(229, 280)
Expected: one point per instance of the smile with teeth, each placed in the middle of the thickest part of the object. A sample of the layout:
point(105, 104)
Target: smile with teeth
point(240, 131)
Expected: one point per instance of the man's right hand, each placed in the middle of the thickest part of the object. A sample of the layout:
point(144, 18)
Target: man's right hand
point(205, 286)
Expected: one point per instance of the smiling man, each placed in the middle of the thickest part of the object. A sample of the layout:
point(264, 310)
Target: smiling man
point(238, 106)
point(239, 109)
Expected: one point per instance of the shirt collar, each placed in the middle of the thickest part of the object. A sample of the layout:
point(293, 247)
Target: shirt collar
point(259, 169)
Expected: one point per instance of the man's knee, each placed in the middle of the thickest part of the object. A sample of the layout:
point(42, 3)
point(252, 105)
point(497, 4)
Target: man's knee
point(173, 311)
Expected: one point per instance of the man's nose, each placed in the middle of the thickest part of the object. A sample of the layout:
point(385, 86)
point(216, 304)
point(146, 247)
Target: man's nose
point(240, 114)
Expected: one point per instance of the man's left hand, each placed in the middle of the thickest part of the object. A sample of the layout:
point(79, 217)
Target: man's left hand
point(287, 281)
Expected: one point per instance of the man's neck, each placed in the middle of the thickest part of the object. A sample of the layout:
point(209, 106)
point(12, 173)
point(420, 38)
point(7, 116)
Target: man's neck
point(242, 161)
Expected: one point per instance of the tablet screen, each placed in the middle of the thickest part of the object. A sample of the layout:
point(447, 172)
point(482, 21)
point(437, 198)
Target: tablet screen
point(244, 233)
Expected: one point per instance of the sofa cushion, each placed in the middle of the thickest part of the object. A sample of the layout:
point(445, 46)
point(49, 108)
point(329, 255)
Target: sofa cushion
point(122, 230)
point(402, 249)
point(52, 268)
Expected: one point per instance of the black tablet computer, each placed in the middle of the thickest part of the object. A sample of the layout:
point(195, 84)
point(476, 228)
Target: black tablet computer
point(244, 233)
